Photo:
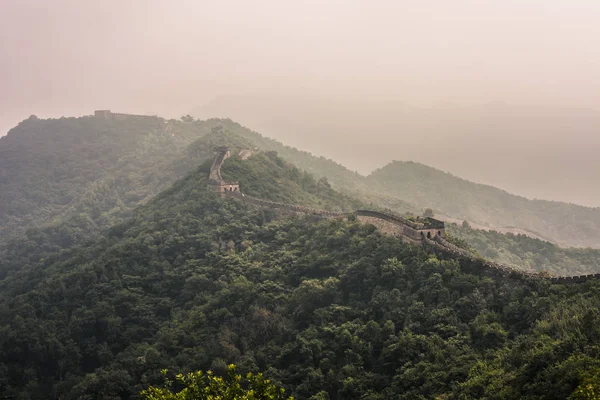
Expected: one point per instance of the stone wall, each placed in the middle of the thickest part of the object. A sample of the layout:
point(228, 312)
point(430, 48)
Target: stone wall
point(215, 180)
point(429, 233)
point(412, 231)
point(215, 168)
point(102, 114)
point(223, 187)
point(441, 246)
point(388, 228)
point(107, 114)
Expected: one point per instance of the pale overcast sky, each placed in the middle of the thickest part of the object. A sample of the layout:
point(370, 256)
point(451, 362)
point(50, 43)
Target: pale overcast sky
point(69, 57)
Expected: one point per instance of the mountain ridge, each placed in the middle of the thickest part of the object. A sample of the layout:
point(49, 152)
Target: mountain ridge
point(580, 230)
point(566, 224)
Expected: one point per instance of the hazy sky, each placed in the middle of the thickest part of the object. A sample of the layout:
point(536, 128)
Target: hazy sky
point(69, 57)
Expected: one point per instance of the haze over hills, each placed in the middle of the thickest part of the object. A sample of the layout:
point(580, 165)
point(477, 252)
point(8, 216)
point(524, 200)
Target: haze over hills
point(416, 214)
point(38, 187)
point(537, 152)
point(328, 308)
point(566, 224)
point(57, 168)
point(423, 187)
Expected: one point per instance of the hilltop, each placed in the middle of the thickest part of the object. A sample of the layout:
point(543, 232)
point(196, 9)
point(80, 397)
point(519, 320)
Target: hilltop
point(71, 178)
point(533, 151)
point(101, 167)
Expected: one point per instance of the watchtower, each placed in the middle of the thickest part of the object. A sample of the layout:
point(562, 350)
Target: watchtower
point(218, 129)
point(105, 114)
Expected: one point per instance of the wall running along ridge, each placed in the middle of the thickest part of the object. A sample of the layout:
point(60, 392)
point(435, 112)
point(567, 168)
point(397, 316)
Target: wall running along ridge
point(430, 236)
point(215, 180)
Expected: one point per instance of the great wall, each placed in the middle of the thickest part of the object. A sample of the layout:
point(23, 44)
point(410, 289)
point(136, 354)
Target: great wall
point(427, 232)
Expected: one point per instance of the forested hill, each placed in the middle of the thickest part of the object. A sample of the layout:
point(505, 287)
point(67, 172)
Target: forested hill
point(94, 167)
point(329, 309)
point(565, 224)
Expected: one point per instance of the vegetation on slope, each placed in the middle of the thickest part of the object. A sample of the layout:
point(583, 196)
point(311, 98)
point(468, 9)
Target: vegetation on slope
point(328, 309)
point(529, 253)
point(264, 175)
point(412, 187)
point(206, 386)
point(317, 166)
point(103, 197)
point(342, 179)
point(94, 171)
point(563, 223)
point(267, 176)
point(56, 169)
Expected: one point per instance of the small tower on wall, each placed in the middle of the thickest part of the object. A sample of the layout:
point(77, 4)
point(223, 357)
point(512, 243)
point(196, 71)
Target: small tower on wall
point(218, 129)
point(104, 114)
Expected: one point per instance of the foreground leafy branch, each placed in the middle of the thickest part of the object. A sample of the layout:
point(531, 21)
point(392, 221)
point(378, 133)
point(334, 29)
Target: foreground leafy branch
point(206, 386)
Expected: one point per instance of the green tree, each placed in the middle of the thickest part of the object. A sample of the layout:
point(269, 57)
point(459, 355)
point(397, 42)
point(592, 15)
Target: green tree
point(589, 389)
point(199, 386)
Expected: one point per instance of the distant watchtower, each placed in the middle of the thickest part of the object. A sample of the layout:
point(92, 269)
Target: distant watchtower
point(105, 114)
point(218, 129)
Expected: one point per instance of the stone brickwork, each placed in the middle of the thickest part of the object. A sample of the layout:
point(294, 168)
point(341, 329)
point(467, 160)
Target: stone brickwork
point(440, 245)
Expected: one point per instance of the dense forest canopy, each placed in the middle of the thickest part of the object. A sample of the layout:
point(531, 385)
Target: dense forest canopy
point(102, 291)
point(325, 308)
point(102, 168)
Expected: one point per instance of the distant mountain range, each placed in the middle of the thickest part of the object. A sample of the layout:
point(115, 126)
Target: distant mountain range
point(537, 152)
